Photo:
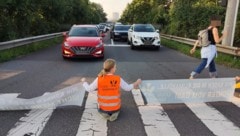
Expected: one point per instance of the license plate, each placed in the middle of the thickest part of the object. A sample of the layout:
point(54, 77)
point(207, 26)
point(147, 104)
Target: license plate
point(147, 43)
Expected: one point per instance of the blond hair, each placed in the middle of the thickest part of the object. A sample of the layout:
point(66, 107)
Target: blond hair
point(107, 66)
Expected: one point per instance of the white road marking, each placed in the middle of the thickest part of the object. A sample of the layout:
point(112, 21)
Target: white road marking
point(214, 120)
point(236, 101)
point(156, 121)
point(34, 121)
point(32, 124)
point(92, 124)
point(112, 42)
point(5, 74)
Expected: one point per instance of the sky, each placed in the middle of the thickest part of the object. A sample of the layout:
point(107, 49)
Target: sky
point(111, 6)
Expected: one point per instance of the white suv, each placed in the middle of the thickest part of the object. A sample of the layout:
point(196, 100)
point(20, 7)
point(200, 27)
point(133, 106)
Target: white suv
point(143, 35)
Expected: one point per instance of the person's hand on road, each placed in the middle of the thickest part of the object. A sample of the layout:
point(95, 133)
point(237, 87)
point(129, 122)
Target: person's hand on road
point(237, 78)
point(137, 83)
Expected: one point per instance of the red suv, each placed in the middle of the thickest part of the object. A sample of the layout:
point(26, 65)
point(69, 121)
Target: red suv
point(83, 41)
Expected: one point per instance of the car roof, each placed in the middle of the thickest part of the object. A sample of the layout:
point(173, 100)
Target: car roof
point(121, 25)
point(142, 24)
point(84, 25)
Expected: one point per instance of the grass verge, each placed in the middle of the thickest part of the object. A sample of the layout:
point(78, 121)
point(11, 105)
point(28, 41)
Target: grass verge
point(9, 54)
point(222, 59)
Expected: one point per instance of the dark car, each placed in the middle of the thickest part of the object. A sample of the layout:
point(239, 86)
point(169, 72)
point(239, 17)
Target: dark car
point(120, 32)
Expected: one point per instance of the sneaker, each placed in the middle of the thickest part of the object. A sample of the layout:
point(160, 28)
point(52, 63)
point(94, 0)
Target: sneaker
point(104, 115)
point(191, 77)
point(114, 116)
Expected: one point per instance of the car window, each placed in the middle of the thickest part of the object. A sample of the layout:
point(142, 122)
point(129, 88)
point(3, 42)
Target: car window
point(83, 32)
point(121, 27)
point(144, 28)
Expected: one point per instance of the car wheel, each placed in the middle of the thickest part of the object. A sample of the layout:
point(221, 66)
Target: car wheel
point(132, 46)
point(65, 58)
point(128, 42)
point(157, 47)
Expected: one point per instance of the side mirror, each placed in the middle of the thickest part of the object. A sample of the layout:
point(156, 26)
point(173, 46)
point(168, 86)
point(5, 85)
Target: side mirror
point(65, 34)
point(157, 31)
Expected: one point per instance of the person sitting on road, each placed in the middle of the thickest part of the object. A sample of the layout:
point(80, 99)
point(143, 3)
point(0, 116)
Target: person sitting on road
point(108, 88)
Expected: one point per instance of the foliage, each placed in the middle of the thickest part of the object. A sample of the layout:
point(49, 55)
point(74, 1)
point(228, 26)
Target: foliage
point(223, 59)
point(23, 18)
point(181, 17)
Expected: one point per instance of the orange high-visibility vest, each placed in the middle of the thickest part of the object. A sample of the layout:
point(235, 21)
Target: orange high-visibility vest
point(109, 92)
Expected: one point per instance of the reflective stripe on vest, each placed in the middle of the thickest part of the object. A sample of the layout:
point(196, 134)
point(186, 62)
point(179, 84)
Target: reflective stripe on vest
point(108, 97)
point(109, 92)
point(109, 104)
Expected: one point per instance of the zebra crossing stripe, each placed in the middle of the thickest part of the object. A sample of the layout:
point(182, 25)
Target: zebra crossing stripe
point(32, 124)
point(236, 101)
point(214, 120)
point(155, 120)
point(92, 124)
point(117, 45)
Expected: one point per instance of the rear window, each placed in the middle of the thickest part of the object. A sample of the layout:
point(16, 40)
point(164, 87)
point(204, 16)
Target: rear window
point(83, 32)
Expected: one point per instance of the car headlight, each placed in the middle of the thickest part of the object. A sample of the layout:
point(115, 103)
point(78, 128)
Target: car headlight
point(66, 45)
point(137, 37)
point(100, 45)
point(156, 37)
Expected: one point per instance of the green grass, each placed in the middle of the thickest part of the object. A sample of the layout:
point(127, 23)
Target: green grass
point(9, 54)
point(222, 59)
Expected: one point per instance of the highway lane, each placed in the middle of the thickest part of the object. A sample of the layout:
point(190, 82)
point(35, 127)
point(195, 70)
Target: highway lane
point(46, 71)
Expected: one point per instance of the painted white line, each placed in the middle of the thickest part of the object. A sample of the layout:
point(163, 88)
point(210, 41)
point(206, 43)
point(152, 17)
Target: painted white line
point(92, 124)
point(236, 101)
point(32, 124)
point(5, 74)
point(156, 121)
point(214, 120)
point(118, 45)
point(112, 42)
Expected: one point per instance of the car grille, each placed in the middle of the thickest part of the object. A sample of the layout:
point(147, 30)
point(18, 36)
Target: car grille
point(124, 34)
point(147, 40)
point(82, 50)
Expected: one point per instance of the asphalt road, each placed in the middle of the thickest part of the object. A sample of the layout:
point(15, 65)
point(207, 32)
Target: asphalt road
point(46, 71)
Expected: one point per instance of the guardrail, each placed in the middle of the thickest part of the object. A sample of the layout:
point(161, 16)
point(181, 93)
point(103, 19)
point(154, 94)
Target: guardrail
point(221, 48)
point(24, 41)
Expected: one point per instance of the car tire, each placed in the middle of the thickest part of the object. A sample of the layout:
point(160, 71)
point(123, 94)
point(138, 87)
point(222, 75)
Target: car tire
point(128, 42)
point(157, 47)
point(65, 58)
point(132, 46)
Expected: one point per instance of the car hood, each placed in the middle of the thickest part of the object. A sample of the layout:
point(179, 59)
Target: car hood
point(83, 41)
point(146, 34)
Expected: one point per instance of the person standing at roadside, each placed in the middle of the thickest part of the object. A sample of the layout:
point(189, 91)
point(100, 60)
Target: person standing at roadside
point(209, 52)
point(108, 89)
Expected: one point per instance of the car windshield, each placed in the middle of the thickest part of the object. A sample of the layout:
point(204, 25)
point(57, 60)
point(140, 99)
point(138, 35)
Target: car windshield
point(83, 32)
point(122, 27)
point(144, 28)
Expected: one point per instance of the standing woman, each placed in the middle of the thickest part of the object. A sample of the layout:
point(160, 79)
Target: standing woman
point(209, 52)
point(108, 89)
